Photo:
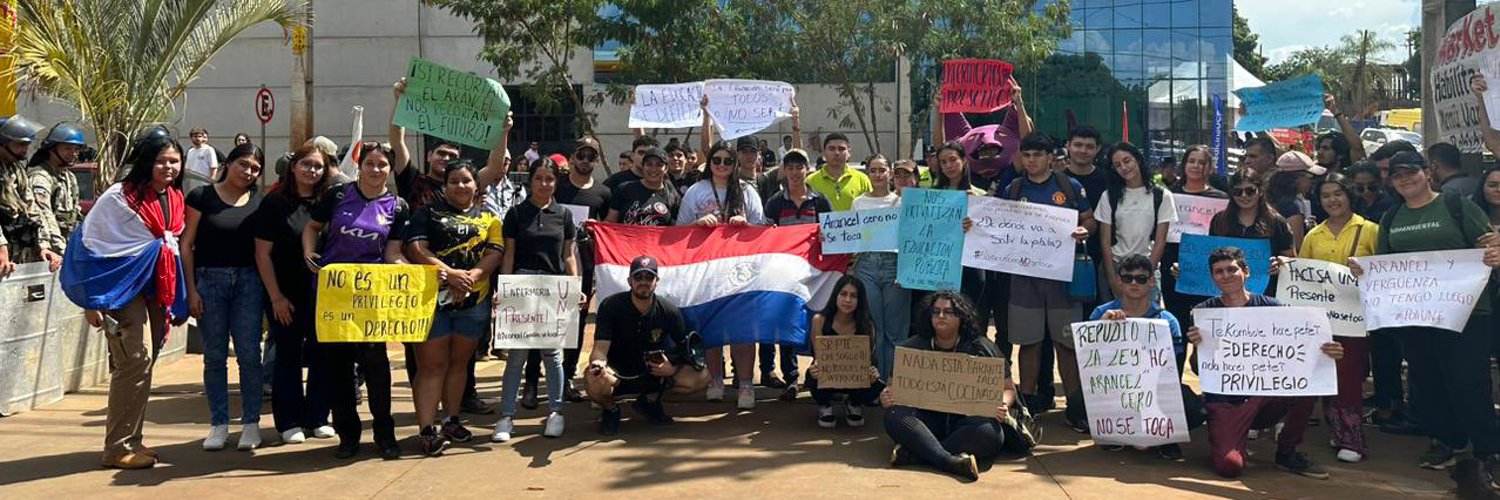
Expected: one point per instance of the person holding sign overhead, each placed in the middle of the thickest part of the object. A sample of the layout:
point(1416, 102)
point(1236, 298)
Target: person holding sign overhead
point(952, 443)
point(539, 238)
point(1448, 371)
point(847, 313)
point(365, 224)
point(1230, 418)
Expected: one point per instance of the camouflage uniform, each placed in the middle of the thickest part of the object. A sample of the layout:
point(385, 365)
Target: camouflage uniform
point(25, 226)
point(56, 191)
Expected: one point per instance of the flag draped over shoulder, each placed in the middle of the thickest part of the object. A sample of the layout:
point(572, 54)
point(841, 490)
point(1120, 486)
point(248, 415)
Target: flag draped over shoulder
point(735, 285)
point(117, 253)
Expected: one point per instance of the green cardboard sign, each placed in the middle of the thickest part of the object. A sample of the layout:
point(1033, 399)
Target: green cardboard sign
point(452, 104)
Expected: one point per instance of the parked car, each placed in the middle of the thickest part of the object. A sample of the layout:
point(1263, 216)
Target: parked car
point(1374, 138)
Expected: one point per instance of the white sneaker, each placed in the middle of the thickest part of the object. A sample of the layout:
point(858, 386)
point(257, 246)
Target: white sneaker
point(554, 425)
point(854, 415)
point(715, 391)
point(503, 429)
point(1349, 456)
point(293, 436)
point(324, 432)
point(217, 435)
point(249, 437)
point(826, 419)
point(747, 397)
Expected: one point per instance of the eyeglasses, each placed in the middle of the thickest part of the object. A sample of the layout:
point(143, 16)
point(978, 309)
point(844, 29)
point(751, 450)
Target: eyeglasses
point(309, 165)
point(903, 173)
point(1139, 279)
point(1249, 191)
point(944, 311)
point(585, 156)
point(720, 161)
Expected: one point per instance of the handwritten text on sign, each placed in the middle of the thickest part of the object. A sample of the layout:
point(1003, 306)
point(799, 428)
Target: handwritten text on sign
point(975, 86)
point(1253, 351)
point(1193, 215)
point(1437, 289)
point(858, 231)
point(948, 382)
point(1327, 286)
point(534, 311)
point(375, 302)
point(1017, 237)
point(743, 107)
point(1471, 44)
point(1130, 382)
point(452, 104)
point(932, 234)
point(1287, 103)
point(667, 106)
point(1195, 278)
point(843, 361)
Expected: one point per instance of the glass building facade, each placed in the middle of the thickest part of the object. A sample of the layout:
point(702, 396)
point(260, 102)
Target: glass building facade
point(1151, 67)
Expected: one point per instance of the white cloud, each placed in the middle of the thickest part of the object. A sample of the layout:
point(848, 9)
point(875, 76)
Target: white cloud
point(1287, 25)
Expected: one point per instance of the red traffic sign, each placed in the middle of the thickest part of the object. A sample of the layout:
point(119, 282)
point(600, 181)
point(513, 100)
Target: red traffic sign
point(265, 105)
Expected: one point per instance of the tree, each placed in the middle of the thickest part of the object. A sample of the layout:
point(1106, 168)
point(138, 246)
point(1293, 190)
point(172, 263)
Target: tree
point(1347, 70)
point(1246, 45)
point(123, 63)
point(1413, 65)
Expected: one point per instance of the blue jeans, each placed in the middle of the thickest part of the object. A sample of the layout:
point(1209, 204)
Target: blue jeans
point(515, 365)
point(233, 303)
point(890, 306)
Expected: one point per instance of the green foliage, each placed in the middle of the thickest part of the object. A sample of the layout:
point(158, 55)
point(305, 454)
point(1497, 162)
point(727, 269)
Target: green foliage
point(1246, 45)
point(1348, 71)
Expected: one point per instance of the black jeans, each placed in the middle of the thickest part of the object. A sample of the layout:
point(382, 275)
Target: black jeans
point(1385, 366)
point(857, 397)
point(1450, 377)
point(937, 437)
point(376, 369)
point(297, 343)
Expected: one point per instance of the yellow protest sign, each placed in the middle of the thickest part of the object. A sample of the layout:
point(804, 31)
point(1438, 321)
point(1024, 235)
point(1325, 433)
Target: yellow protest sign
point(375, 302)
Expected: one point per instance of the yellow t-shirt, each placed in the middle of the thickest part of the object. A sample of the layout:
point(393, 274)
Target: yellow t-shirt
point(840, 192)
point(1357, 239)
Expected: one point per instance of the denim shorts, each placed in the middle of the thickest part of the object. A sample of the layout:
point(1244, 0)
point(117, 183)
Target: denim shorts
point(470, 323)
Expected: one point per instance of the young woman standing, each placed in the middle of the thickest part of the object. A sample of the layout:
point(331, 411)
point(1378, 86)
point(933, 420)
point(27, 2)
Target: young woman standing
point(877, 270)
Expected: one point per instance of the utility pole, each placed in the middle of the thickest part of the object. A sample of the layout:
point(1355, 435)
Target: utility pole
point(302, 82)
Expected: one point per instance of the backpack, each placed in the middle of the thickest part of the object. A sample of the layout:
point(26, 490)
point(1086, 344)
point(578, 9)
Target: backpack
point(1156, 195)
point(1455, 210)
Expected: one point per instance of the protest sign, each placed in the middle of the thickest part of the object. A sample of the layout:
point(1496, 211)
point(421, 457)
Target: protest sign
point(1287, 103)
point(857, 231)
point(580, 213)
point(1195, 278)
point(1130, 385)
point(1017, 237)
point(453, 105)
point(1253, 351)
point(975, 86)
point(375, 302)
point(931, 233)
point(536, 311)
point(1434, 289)
point(1327, 286)
point(948, 382)
point(843, 361)
point(675, 105)
point(1471, 44)
point(1193, 215)
point(743, 107)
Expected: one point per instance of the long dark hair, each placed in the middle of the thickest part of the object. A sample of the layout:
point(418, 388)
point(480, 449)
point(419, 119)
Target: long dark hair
point(1282, 188)
point(1208, 172)
point(941, 180)
point(1265, 217)
point(1117, 183)
point(287, 185)
point(968, 325)
point(734, 190)
point(1340, 145)
point(862, 323)
point(1479, 198)
point(1344, 184)
point(142, 159)
point(241, 151)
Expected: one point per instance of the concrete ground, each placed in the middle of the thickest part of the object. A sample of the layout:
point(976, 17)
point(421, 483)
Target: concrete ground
point(775, 450)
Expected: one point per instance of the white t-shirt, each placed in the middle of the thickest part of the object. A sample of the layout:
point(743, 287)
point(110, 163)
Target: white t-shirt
point(531, 157)
point(202, 160)
point(1133, 230)
point(702, 198)
point(867, 202)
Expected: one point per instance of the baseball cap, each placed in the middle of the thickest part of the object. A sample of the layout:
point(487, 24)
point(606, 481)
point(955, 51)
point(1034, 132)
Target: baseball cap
point(799, 154)
point(559, 160)
point(1409, 160)
point(643, 263)
point(1297, 161)
point(746, 142)
point(654, 152)
point(586, 142)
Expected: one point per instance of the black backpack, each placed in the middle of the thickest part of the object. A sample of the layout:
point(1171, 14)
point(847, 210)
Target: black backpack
point(1156, 196)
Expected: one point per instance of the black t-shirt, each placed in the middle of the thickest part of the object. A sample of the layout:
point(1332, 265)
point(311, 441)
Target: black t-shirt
point(621, 178)
point(632, 334)
point(1095, 184)
point(781, 211)
point(458, 238)
point(280, 221)
point(642, 206)
point(540, 235)
point(689, 177)
point(596, 197)
point(222, 241)
point(1280, 234)
point(418, 189)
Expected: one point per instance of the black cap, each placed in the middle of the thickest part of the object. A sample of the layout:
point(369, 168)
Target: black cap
point(586, 142)
point(746, 142)
point(1407, 160)
point(654, 152)
point(643, 263)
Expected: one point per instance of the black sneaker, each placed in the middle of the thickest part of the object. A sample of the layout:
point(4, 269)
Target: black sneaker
point(901, 458)
point(1171, 452)
point(965, 466)
point(1297, 463)
point(571, 393)
point(455, 431)
point(653, 411)
point(1400, 424)
point(389, 449)
point(609, 421)
point(1439, 456)
point(772, 381)
point(473, 405)
point(529, 397)
point(432, 442)
point(789, 393)
point(347, 450)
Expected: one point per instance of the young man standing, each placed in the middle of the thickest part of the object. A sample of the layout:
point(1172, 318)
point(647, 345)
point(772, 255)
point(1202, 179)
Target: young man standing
point(1230, 418)
point(533, 153)
point(791, 206)
point(201, 165)
point(651, 201)
point(836, 181)
point(638, 150)
point(1260, 156)
point(1448, 176)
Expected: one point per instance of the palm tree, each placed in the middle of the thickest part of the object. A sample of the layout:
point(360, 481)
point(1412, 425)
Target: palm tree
point(125, 63)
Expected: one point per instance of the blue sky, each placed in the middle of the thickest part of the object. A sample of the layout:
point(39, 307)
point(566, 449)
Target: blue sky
point(1287, 25)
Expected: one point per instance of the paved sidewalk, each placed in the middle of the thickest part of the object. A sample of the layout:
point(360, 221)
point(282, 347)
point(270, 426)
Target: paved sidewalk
point(775, 450)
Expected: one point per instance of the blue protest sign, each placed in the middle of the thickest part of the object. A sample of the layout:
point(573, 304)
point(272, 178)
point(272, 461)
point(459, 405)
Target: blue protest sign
point(1195, 278)
point(858, 231)
point(932, 239)
point(1287, 103)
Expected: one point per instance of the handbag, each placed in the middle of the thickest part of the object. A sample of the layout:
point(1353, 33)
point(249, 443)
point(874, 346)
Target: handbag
point(1085, 284)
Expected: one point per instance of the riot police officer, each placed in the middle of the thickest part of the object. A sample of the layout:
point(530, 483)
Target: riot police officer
point(26, 229)
point(52, 184)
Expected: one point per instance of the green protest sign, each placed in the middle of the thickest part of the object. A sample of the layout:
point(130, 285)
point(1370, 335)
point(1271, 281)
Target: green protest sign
point(452, 104)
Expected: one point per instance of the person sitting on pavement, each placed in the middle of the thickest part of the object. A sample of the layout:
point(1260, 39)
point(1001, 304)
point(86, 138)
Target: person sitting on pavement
point(847, 313)
point(638, 350)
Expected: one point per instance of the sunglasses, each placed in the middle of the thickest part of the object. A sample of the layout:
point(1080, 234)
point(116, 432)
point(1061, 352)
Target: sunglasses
point(1139, 279)
point(1250, 191)
point(945, 311)
point(720, 161)
point(585, 156)
point(446, 155)
point(643, 276)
